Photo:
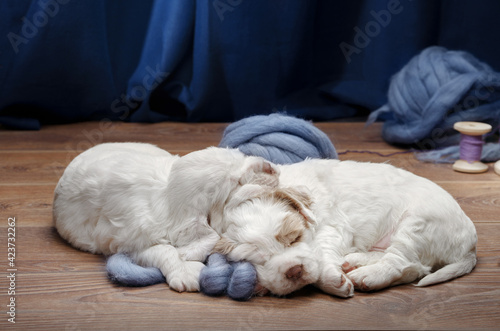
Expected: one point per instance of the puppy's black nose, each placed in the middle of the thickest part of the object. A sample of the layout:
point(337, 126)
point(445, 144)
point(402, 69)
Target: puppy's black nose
point(294, 272)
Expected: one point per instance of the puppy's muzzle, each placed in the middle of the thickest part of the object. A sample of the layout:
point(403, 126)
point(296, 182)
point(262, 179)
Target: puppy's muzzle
point(294, 272)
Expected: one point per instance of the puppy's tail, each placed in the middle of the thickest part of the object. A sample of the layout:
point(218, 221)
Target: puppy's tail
point(451, 271)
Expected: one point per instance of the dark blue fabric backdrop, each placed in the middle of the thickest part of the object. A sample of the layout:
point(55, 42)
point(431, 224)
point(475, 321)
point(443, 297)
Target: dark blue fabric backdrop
point(220, 60)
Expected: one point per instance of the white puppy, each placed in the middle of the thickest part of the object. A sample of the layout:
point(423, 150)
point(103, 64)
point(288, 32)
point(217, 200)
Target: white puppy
point(139, 199)
point(345, 225)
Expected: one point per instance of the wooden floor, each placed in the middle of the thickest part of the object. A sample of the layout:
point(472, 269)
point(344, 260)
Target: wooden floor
point(58, 287)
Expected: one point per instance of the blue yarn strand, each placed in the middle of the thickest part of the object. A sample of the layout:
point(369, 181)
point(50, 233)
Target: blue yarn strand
point(242, 284)
point(237, 279)
point(490, 153)
point(215, 276)
point(122, 270)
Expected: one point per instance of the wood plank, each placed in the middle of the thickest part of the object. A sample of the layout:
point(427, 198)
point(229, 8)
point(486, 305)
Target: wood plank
point(31, 205)
point(435, 172)
point(37, 167)
point(168, 135)
point(23, 166)
point(68, 292)
point(92, 306)
point(81, 136)
point(480, 200)
point(85, 300)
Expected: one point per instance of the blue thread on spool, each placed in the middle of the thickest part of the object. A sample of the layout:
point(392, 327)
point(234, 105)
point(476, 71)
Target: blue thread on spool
point(471, 146)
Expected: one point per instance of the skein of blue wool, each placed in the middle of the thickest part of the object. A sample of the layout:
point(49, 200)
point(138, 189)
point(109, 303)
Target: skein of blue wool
point(436, 89)
point(122, 270)
point(243, 281)
point(278, 138)
point(215, 276)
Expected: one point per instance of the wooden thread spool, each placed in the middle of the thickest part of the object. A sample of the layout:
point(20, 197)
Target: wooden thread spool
point(471, 146)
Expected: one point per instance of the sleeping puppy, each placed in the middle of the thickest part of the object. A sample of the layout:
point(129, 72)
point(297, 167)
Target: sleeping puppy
point(158, 208)
point(342, 225)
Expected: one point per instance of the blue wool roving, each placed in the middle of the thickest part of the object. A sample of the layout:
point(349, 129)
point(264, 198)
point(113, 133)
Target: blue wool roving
point(436, 89)
point(122, 270)
point(278, 138)
point(237, 279)
point(242, 284)
point(215, 276)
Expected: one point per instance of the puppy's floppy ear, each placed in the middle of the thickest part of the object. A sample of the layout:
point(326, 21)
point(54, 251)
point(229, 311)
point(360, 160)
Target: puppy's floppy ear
point(258, 171)
point(298, 198)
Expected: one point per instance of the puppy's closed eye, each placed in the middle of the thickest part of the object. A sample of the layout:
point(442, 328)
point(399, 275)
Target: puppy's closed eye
point(296, 240)
point(290, 231)
point(290, 238)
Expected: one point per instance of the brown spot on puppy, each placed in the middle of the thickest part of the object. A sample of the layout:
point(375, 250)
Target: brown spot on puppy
point(297, 200)
point(224, 246)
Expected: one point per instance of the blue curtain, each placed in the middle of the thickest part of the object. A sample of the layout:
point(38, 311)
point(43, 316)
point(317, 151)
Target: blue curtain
point(220, 60)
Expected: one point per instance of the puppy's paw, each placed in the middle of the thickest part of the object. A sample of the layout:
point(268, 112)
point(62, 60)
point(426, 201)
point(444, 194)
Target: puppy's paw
point(202, 241)
point(360, 259)
point(369, 278)
point(334, 282)
point(348, 267)
point(186, 278)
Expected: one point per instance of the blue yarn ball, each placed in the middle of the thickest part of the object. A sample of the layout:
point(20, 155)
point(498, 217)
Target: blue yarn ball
point(216, 275)
point(122, 270)
point(278, 138)
point(243, 281)
point(435, 89)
